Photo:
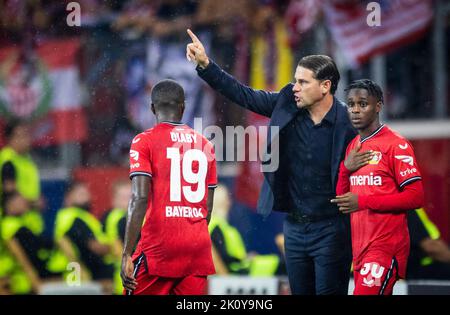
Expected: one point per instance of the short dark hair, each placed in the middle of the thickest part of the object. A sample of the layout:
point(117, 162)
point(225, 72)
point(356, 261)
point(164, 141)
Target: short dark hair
point(72, 185)
point(369, 85)
point(167, 95)
point(7, 196)
point(12, 125)
point(323, 67)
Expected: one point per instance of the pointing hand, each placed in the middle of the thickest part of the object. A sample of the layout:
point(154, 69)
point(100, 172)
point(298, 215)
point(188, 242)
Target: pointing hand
point(196, 52)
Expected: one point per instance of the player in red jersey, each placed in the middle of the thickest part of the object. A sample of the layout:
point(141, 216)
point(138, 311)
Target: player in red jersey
point(173, 173)
point(378, 182)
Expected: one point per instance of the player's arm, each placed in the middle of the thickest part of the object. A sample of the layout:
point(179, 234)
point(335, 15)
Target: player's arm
point(343, 183)
point(406, 174)
point(258, 101)
point(354, 160)
point(209, 203)
point(137, 207)
point(411, 197)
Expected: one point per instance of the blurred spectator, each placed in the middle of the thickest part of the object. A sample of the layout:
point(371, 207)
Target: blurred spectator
point(81, 229)
point(114, 222)
point(410, 98)
point(271, 68)
point(19, 173)
point(136, 18)
point(119, 149)
point(228, 25)
point(20, 16)
point(165, 58)
point(230, 246)
point(304, 21)
point(27, 271)
point(430, 255)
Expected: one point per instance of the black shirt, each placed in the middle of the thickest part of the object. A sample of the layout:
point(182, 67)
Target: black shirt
point(309, 158)
point(417, 233)
point(8, 172)
point(218, 240)
point(80, 234)
point(121, 225)
point(32, 244)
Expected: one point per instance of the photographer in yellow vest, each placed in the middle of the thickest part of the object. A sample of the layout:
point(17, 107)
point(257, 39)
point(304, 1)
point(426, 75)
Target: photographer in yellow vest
point(23, 247)
point(79, 234)
point(18, 172)
point(230, 247)
point(114, 222)
point(429, 257)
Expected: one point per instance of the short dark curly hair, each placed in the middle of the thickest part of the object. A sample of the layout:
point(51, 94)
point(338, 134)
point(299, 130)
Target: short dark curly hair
point(369, 85)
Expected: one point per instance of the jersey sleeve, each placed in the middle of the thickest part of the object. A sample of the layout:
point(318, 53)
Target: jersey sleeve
point(211, 177)
point(343, 183)
point(140, 157)
point(404, 162)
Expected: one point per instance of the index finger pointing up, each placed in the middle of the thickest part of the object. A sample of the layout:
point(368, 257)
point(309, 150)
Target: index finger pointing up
point(193, 36)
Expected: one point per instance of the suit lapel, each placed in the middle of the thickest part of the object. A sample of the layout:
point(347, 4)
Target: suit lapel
point(338, 141)
point(280, 118)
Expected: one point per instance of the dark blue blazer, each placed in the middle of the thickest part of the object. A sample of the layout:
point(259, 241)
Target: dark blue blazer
point(280, 107)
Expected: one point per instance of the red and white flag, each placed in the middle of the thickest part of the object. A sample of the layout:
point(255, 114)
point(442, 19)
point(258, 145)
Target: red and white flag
point(43, 86)
point(402, 22)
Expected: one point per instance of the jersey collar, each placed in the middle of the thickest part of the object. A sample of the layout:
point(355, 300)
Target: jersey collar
point(174, 123)
point(373, 134)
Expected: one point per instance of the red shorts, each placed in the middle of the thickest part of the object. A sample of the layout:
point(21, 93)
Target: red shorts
point(155, 285)
point(376, 278)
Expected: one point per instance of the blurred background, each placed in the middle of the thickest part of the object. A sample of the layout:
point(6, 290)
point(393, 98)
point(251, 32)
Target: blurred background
point(81, 93)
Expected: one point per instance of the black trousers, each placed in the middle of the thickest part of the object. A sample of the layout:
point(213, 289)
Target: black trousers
point(318, 256)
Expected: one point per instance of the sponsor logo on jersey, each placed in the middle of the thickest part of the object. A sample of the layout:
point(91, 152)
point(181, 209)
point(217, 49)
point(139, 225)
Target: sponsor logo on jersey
point(376, 158)
point(372, 273)
point(135, 165)
point(409, 171)
point(405, 159)
point(136, 140)
point(403, 146)
point(366, 180)
point(134, 155)
point(183, 212)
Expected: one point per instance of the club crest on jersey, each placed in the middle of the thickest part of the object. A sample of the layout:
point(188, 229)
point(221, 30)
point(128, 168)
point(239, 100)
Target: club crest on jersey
point(405, 159)
point(376, 158)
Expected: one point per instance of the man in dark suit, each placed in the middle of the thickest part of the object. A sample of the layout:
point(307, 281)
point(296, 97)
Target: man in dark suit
point(313, 132)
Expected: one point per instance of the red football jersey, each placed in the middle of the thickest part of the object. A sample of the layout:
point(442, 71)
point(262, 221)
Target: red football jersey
point(182, 165)
point(393, 166)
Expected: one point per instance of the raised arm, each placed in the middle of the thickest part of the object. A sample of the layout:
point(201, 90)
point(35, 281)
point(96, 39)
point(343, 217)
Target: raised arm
point(258, 101)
